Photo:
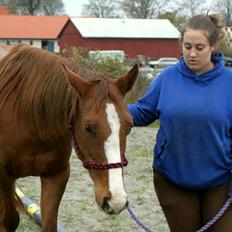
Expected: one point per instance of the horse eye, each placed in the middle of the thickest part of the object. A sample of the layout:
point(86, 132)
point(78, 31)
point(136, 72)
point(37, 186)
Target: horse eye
point(89, 129)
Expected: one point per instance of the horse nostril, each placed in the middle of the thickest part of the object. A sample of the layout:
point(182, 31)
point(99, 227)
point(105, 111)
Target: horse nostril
point(106, 206)
point(127, 204)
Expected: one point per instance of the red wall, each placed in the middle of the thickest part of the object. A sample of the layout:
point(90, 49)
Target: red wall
point(154, 48)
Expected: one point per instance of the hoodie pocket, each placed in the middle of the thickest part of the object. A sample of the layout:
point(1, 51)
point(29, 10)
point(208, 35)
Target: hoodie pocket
point(228, 150)
point(159, 151)
point(229, 154)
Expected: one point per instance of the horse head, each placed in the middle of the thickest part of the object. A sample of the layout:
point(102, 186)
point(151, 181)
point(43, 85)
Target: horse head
point(101, 123)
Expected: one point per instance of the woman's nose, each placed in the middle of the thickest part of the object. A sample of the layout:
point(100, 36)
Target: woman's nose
point(193, 53)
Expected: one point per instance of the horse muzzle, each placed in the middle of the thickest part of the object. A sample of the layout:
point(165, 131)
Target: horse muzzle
point(114, 205)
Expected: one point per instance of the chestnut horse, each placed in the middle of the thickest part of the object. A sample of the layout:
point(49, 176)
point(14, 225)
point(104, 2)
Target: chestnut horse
point(39, 97)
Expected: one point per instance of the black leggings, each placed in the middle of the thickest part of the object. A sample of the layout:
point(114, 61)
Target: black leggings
point(188, 211)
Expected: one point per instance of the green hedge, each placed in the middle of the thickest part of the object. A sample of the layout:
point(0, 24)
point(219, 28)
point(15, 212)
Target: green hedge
point(107, 67)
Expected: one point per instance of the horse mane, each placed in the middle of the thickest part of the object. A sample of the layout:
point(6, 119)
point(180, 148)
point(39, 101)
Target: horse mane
point(43, 97)
point(42, 93)
point(102, 81)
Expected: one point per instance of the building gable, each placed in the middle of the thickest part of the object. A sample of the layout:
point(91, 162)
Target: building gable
point(125, 28)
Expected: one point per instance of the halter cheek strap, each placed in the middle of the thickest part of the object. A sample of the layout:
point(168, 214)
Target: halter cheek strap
point(89, 164)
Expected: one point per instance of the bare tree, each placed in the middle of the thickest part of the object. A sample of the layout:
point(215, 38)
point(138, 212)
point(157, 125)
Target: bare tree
point(101, 8)
point(144, 8)
point(35, 7)
point(224, 7)
point(28, 7)
point(177, 21)
point(190, 8)
point(53, 7)
point(10, 5)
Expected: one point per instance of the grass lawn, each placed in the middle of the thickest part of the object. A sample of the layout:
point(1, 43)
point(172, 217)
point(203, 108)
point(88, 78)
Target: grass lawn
point(155, 124)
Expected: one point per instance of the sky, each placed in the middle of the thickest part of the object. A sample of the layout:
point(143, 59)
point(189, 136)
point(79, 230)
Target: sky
point(74, 7)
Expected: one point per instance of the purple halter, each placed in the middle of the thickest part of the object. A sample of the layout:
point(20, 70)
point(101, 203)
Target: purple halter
point(89, 164)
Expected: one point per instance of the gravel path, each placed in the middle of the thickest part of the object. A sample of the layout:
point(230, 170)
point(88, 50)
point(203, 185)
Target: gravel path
point(78, 210)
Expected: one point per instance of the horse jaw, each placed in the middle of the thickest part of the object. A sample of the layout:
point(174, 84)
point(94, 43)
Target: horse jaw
point(118, 198)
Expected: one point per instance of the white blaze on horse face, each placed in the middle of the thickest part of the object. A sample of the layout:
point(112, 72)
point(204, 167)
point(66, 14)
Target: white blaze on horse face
point(112, 151)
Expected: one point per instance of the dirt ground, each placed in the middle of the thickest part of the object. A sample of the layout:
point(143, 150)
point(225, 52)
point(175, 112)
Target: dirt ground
point(78, 210)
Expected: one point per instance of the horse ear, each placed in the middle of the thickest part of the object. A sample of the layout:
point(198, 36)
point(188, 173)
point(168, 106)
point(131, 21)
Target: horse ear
point(78, 83)
point(126, 82)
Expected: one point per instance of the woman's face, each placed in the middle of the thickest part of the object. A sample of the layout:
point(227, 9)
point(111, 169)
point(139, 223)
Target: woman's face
point(197, 50)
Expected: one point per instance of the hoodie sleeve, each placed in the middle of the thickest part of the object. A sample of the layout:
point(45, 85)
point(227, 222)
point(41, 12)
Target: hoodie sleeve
point(144, 111)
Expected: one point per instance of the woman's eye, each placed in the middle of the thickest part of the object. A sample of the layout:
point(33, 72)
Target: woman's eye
point(200, 48)
point(187, 46)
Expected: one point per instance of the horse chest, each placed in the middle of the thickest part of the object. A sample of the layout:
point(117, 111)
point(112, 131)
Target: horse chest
point(40, 164)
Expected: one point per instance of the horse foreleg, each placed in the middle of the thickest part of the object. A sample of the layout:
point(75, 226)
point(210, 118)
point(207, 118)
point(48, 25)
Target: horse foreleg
point(52, 191)
point(9, 216)
point(2, 228)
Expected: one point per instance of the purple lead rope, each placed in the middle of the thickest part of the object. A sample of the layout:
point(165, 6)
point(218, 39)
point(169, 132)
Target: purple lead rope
point(217, 216)
point(204, 228)
point(138, 221)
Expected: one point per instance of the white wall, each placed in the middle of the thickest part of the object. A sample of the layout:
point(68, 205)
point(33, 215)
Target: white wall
point(33, 43)
point(228, 36)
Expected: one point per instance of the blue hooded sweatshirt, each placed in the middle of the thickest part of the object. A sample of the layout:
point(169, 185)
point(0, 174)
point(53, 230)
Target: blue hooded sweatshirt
point(194, 144)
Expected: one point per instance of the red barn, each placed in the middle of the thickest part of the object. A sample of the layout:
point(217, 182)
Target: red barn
point(37, 31)
point(4, 11)
point(150, 37)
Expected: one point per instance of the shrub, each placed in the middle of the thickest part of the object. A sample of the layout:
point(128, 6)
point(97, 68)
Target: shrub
point(107, 67)
point(227, 51)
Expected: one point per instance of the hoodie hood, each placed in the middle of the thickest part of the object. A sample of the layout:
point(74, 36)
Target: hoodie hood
point(206, 77)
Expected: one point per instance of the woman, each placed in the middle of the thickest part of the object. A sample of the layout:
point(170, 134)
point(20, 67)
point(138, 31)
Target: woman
point(193, 152)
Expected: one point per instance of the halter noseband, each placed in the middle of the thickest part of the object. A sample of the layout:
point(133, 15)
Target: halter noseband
point(89, 164)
